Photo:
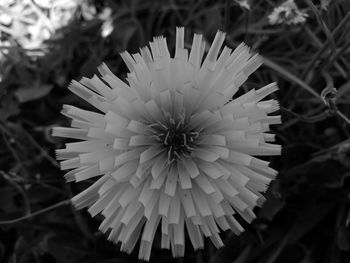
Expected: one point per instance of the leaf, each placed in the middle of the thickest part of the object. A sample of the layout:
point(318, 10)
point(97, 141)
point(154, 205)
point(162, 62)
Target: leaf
point(8, 107)
point(290, 76)
point(128, 35)
point(37, 91)
point(2, 251)
point(325, 4)
point(37, 194)
point(302, 226)
point(66, 247)
point(89, 67)
point(343, 240)
point(7, 197)
point(25, 250)
point(271, 207)
point(309, 220)
point(322, 24)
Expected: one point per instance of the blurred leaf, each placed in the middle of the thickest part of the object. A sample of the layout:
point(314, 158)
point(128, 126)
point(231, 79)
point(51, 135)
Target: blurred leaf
point(7, 197)
point(128, 34)
point(322, 24)
point(89, 67)
point(306, 221)
point(290, 76)
point(2, 251)
point(67, 247)
point(25, 250)
point(34, 92)
point(343, 238)
point(38, 194)
point(8, 107)
point(271, 207)
point(325, 4)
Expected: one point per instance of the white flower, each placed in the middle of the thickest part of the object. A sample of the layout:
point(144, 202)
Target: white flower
point(287, 13)
point(31, 23)
point(243, 4)
point(107, 26)
point(170, 147)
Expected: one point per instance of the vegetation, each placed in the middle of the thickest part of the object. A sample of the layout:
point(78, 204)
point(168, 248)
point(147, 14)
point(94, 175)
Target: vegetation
point(307, 213)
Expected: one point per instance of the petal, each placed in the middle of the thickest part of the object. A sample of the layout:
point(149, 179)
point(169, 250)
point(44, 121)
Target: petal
point(191, 167)
point(184, 177)
point(150, 153)
point(206, 155)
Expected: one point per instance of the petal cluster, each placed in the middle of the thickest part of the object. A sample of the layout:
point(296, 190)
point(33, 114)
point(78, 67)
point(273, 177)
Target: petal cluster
point(170, 147)
point(287, 13)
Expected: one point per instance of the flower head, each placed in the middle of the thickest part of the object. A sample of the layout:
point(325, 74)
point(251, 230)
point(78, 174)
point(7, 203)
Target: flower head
point(30, 23)
point(245, 4)
point(287, 13)
point(171, 147)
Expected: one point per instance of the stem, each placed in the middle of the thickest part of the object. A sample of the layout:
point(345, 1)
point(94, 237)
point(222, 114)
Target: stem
point(288, 75)
point(337, 30)
point(19, 189)
point(341, 115)
point(319, 117)
point(39, 212)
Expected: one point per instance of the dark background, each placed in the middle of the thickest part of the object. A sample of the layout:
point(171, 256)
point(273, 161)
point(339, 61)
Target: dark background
point(306, 216)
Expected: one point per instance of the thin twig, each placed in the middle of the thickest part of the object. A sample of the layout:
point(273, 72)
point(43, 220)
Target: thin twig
point(330, 102)
point(18, 160)
point(322, 24)
point(39, 212)
point(341, 115)
point(316, 118)
point(19, 189)
point(336, 31)
point(42, 151)
point(78, 218)
point(288, 75)
point(336, 56)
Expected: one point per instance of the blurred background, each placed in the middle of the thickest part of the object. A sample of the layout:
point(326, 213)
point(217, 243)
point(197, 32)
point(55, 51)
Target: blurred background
point(44, 44)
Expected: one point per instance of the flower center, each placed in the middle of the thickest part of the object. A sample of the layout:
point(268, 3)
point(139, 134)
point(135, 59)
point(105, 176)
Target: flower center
point(178, 139)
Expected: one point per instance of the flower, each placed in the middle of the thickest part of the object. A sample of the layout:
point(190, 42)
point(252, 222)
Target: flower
point(30, 23)
point(170, 147)
point(287, 13)
point(245, 4)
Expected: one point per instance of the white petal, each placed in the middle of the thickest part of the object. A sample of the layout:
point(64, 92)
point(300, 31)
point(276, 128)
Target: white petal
point(187, 203)
point(206, 155)
point(174, 211)
point(128, 156)
point(150, 153)
point(191, 167)
point(164, 203)
point(159, 165)
point(200, 201)
point(213, 139)
point(204, 184)
point(138, 140)
point(171, 182)
point(125, 171)
point(184, 177)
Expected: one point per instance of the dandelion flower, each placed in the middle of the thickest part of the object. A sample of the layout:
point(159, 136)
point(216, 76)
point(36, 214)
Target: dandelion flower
point(287, 13)
point(171, 147)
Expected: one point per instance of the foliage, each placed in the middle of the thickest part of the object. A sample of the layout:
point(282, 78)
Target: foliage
point(306, 216)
